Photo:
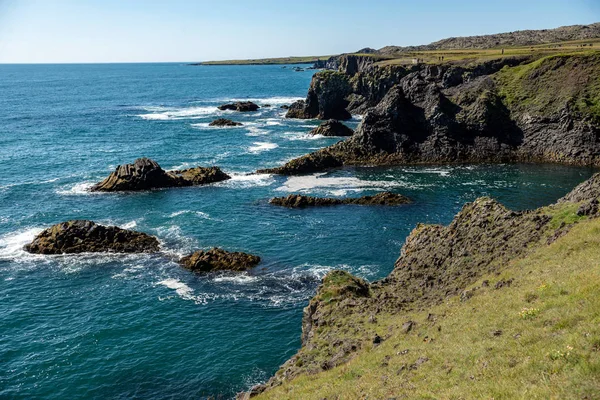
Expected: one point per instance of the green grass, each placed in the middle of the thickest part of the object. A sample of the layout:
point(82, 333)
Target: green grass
point(537, 339)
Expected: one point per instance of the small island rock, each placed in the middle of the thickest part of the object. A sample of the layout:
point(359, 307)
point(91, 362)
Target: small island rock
point(224, 122)
point(300, 201)
point(242, 106)
point(81, 236)
point(217, 259)
point(332, 127)
point(145, 174)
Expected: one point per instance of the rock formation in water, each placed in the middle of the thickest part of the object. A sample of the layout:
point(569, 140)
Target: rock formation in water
point(242, 106)
point(80, 236)
point(332, 127)
point(145, 174)
point(224, 122)
point(516, 109)
point(300, 201)
point(217, 259)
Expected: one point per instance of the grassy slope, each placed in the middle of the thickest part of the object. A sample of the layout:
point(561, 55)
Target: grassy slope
point(537, 339)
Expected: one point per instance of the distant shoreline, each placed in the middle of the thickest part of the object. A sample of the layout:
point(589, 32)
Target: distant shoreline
point(267, 61)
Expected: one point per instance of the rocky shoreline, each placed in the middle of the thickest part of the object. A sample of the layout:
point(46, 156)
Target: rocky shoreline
point(436, 263)
point(493, 111)
point(300, 201)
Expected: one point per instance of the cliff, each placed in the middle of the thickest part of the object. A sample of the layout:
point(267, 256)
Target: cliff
point(513, 109)
point(498, 304)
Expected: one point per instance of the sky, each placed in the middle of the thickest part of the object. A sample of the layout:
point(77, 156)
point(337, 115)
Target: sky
point(90, 31)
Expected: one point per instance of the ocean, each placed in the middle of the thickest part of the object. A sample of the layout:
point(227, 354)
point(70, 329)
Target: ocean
point(99, 326)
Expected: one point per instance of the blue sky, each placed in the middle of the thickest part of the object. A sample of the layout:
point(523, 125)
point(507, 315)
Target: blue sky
point(49, 31)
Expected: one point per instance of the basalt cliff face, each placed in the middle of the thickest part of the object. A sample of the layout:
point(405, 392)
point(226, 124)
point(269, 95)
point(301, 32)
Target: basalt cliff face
point(515, 109)
point(437, 263)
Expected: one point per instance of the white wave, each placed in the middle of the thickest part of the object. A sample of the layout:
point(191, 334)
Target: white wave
point(129, 225)
point(242, 181)
point(238, 279)
point(335, 185)
point(262, 146)
point(256, 131)
point(440, 171)
point(183, 290)
point(77, 189)
point(164, 114)
point(198, 213)
point(11, 244)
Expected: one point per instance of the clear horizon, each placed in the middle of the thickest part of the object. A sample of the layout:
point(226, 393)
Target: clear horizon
point(72, 32)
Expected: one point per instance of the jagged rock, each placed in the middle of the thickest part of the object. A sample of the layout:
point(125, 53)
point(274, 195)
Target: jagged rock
point(242, 106)
point(217, 259)
point(588, 209)
point(307, 164)
point(224, 122)
point(285, 107)
point(300, 201)
point(145, 174)
point(332, 127)
point(326, 98)
point(80, 236)
point(586, 191)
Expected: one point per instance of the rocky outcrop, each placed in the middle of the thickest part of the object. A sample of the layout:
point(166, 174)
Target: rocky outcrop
point(436, 262)
point(80, 236)
point(300, 201)
point(307, 164)
point(326, 98)
point(242, 106)
point(145, 174)
point(494, 111)
point(217, 259)
point(332, 127)
point(224, 122)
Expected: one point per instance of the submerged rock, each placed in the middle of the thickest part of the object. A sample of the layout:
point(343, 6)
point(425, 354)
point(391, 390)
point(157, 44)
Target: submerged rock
point(217, 259)
point(81, 236)
point(242, 106)
point(300, 201)
point(145, 174)
point(224, 122)
point(332, 127)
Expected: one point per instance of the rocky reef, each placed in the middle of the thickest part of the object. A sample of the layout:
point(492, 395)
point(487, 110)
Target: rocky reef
point(300, 201)
point(224, 122)
point(217, 259)
point(80, 236)
point(241, 106)
point(332, 127)
point(436, 263)
point(145, 174)
point(514, 109)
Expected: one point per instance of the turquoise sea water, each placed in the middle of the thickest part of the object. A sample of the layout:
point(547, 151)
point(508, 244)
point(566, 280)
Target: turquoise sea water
point(139, 326)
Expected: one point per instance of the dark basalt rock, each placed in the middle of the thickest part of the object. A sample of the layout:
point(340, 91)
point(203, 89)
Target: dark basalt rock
point(217, 259)
point(80, 236)
point(307, 164)
point(242, 106)
point(224, 122)
point(332, 127)
point(145, 174)
point(300, 201)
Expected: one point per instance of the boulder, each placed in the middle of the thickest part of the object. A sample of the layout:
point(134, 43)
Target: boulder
point(145, 174)
point(307, 164)
point(80, 236)
point(217, 259)
point(242, 106)
point(332, 127)
point(224, 122)
point(300, 201)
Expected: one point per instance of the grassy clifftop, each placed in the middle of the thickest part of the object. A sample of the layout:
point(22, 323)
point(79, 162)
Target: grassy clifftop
point(525, 323)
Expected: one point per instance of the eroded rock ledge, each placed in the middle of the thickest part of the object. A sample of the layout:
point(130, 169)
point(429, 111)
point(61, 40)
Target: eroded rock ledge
point(436, 262)
point(493, 111)
point(300, 201)
point(145, 174)
point(81, 236)
point(217, 259)
point(242, 106)
point(332, 127)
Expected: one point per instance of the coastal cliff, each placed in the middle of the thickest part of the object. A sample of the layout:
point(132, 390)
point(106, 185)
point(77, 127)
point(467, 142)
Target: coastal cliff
point(513, 109)
point(495, 299)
